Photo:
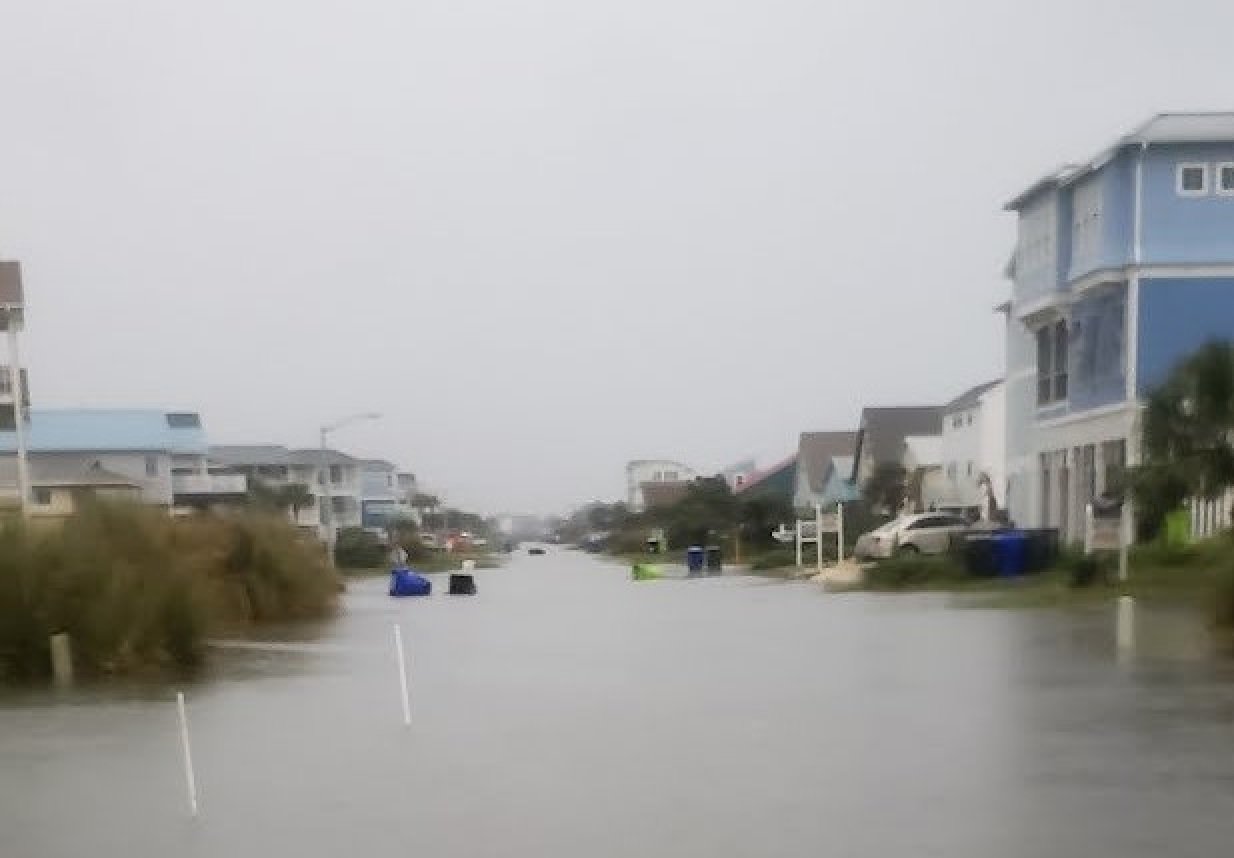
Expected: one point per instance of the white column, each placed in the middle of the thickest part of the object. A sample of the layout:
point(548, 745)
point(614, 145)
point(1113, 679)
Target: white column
point(19, 417)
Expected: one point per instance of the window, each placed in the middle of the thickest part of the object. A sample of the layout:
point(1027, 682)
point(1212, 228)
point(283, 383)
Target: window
point(42, 496)
point(670, 476)
point(968, 419)
point(969, 469)
point(183, 420)
point(1225, 178)
point(1052, 363)
point(336, 474)
point(152, 466)
point(1192, 180)
point(957, 422)
point(951, 470)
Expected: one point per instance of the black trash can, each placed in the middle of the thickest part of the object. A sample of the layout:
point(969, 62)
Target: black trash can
point(694, 559)
point(462, 584)
point(715, 559)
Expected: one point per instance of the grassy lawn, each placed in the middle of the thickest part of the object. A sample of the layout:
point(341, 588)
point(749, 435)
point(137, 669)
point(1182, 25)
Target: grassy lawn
point(438, 561)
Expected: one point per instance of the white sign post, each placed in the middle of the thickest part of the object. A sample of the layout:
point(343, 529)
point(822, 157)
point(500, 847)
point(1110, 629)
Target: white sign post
point(831, 522)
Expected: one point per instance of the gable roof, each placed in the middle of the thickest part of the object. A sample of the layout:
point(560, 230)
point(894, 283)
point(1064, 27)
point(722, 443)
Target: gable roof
point(816, 450)
point(884, 428)
point(68, 430)
point(759, 478)
point(1163, 128)
point(315, 455)
point(971, 397)
point(249, 454)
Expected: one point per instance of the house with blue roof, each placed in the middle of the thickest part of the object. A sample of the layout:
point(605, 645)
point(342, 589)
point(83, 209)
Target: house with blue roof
point(1123, 265)
point(162, 453)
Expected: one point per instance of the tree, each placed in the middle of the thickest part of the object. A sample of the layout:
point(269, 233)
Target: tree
point(760, 514)
point(887, 487)
point(1187, 432)
point(294, 496)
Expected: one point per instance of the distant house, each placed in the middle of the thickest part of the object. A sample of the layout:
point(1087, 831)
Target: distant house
point(657, 495)
point(778, 481)
point(883, 432)
point(322, 471)
point(923, 463)
point(974, 444)
point(817, 453)
point(57, 488)
point(163, 453)
point(738, 473)
point(642, 473)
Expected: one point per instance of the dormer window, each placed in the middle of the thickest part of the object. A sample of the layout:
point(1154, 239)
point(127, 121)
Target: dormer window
point(1192, 180)
point(1225, 178)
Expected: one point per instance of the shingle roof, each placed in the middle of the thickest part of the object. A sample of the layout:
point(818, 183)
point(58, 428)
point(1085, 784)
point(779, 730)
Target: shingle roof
point(61, 430)
point(815, 450)
point(884, 428)
point(249, 454)
point(970, 397)
point(760, 477)
point(1214, 127)
point(314, 455)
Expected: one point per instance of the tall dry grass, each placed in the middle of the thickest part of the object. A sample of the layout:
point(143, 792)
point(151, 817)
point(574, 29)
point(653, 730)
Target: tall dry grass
point(138, 591)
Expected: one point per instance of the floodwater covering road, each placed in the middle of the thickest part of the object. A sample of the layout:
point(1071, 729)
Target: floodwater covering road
point(566, 711)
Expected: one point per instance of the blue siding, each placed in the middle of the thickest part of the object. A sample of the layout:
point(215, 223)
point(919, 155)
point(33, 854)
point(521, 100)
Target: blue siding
point(1177, 316)
point(1118, 210)
point(1185, 230)
point(1097, 349)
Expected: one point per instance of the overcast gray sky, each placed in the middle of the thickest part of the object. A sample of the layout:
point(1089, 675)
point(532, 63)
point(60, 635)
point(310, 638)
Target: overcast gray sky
point(544, 237)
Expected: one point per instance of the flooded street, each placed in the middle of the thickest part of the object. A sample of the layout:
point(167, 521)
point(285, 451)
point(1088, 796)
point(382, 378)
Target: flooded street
point(566, 711)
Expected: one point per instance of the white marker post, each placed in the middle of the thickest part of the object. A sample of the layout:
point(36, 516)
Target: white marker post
point(840, 533)
point(189, 778)
point(402, 673)
point(818, 537)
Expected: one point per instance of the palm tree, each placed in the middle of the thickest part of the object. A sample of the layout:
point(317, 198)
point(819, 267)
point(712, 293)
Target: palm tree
point(294, 496)
point(1187, 430)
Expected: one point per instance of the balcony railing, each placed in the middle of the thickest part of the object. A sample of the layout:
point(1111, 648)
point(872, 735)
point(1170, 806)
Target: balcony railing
point(209, 484)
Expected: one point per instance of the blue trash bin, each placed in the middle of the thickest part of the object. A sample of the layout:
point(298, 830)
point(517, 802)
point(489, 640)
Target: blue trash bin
point(694, 559)
point(1011, 553)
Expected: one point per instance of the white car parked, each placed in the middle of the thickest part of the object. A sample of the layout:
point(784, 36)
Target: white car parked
point(926, 533)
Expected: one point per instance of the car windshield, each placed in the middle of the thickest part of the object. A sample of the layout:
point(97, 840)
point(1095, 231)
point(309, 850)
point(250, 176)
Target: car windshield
point(894, 524)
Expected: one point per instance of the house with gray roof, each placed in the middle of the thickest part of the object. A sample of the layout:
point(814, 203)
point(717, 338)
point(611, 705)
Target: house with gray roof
point(817, 453)
point(974, 443)
point(882, 433)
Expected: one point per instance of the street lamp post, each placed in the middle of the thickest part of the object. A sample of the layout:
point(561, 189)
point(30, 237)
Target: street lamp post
point(327, 501)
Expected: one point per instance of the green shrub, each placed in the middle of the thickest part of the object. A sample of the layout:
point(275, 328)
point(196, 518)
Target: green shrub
point(356, 548)
point(915, 572)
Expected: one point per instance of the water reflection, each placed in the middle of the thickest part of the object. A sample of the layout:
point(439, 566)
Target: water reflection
point(566, 711)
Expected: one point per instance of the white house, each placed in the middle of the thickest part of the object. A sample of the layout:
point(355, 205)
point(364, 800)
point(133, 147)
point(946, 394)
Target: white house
point(653, 471)
point(323, 472)
point(974, 444)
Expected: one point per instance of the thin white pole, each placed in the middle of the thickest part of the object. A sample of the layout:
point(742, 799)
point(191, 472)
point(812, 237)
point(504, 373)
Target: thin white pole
point(189, 778)
point(402, 673)
point(818, 537)
point(839, 532)
point(1124, 630)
